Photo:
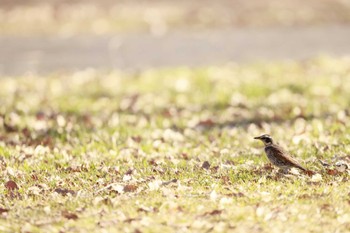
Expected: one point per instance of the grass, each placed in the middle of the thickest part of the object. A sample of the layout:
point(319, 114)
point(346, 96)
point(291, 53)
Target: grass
point(96, 151)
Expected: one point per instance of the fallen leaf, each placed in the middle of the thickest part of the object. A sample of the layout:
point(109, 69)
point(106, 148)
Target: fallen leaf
point(64, 192)
point(206, 123)
point(10, 128)
point(332, 172)
point(137, 139)
point(2, 210)
point(185, 156)
point(211, 213)
point(69, 215)
point(239, 194)
point(206, 165)
point(129, 172)
point(214, 169)
point(129, 220)
point(309, 172)
point(130, 188)
point(11, 185)
point(40, 116)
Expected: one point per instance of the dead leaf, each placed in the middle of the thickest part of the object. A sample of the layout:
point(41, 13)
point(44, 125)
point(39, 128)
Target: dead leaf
point(34, 176)
point(212, 213)
point(332, 172)
point(10, 128)
point(130, 188)
point(230, 162)
point(129, 220)
point(26, 132)
point(309, 172)
point(214, 169)
point(239, 194)
point(2, 210)
point(69, 215)
point(40, 116)
point(11, 185)
point(137, 139)
point(326, 207)
point(206, 123)
point(129, 172)
point(206, 165)
point(147, 209)
point(64, 192)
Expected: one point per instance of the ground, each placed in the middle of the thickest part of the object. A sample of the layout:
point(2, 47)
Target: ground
point(172, 150)
point(66, 18)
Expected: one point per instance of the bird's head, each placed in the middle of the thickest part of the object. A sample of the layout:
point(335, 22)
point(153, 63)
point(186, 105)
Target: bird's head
point(265, 138)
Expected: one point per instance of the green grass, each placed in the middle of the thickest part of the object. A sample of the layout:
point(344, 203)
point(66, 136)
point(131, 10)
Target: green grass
point(97, 151)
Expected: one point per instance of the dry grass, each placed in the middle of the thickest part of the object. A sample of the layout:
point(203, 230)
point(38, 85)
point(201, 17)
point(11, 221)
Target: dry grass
point(173, 150)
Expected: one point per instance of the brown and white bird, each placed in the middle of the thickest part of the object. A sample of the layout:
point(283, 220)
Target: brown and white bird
point(277, 155)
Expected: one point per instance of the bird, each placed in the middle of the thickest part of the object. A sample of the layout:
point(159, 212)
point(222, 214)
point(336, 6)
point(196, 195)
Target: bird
point(277, 155)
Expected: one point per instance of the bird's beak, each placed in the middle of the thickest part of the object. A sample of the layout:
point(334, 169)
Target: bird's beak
point(257, 137)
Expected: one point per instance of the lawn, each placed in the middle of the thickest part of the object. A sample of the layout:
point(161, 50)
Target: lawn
point(172, 150)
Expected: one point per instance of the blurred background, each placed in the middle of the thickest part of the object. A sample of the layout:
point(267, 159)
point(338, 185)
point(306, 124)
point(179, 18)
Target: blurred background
point(43, 36)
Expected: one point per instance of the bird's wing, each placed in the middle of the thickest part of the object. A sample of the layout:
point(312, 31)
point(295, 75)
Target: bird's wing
point(286, 158)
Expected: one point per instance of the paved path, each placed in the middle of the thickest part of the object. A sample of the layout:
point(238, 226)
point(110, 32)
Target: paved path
point(138, 51)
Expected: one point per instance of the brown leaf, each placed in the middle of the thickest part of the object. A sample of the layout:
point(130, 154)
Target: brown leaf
point(69, 215)
point(225, 179)
point(211, 213)
point(185, 156)
point(206, 165)
point(310, 173)
point(332, 172)
point(11, 185)
point(326, 207)
point(130, 188)
point(34, 177)
point(26, 132)
point(129, 172)
point(129, 220)
point(40, 116)
point(64, 192)
point(2, 210)
point(206, 123)
point(230, 162)
point(137, 139)
point(147, 209)
point(10, 128)
point(239, 194)
point(214, 169)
